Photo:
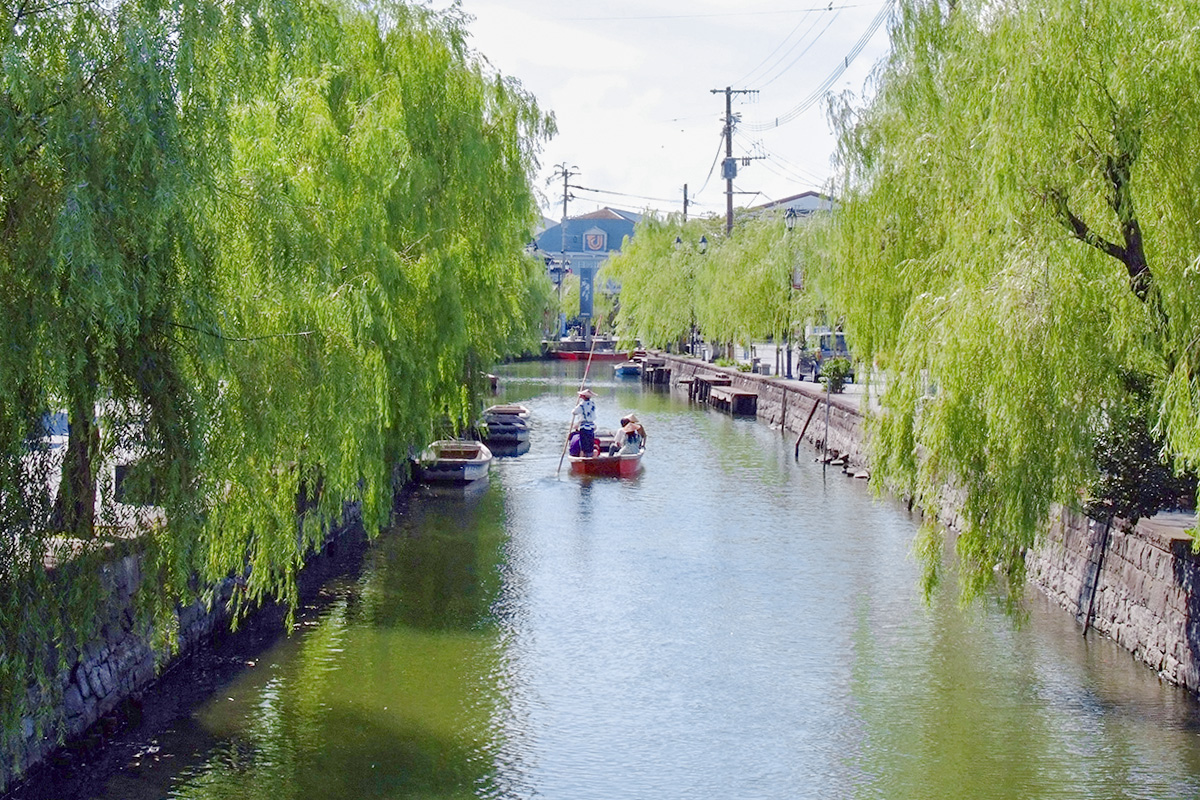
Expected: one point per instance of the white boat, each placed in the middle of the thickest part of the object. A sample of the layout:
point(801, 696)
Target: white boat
point(454, 461)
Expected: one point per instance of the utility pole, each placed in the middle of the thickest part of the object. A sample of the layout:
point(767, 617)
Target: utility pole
point(729, 167)
point(566, 173)
point(685, 202)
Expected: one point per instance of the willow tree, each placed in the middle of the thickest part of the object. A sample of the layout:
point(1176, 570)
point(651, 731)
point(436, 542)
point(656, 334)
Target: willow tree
point(747, 283)
point(735, 289)
point(262, 249)
point(660, 288)
point(1018, 236)
point(373, 246)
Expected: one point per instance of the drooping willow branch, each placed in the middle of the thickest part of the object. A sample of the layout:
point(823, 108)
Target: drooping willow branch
point(224, 338)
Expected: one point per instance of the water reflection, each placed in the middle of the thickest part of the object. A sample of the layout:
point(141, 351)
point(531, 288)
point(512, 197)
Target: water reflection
point(390, 692)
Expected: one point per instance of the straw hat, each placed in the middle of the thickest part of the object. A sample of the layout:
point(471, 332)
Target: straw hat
point(585, 393)
point(631, 417)
point(630, 427)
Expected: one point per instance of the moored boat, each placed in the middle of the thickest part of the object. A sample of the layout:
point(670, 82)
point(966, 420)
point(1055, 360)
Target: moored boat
point(454, 461)
point(627, 369)
point(596, 355)
point(603, 348)
point(505, 424)
point(507, 410)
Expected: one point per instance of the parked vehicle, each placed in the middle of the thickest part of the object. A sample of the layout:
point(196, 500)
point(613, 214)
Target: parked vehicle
point(823, 345)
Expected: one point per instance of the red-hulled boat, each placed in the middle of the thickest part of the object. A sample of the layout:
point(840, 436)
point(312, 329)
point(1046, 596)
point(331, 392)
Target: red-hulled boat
point(599, 355)
point(606, 465)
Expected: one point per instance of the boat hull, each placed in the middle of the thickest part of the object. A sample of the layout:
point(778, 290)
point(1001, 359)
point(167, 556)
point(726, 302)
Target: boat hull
point(501, 433)
point(505, 425)
point(582, 355)
point(610, 466)
point(454, 462)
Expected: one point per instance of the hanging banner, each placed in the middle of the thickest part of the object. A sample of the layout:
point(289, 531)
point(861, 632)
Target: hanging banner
point(587, 275)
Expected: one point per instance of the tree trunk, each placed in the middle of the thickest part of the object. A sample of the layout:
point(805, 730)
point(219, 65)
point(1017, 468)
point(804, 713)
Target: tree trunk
point(75, 506)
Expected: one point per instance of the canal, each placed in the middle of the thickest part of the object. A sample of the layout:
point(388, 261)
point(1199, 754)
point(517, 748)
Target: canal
point(730, 623)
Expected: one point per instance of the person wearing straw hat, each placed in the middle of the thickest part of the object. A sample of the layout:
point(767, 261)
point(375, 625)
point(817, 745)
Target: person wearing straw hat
point(586, 410)
point(628, 441)
point(632, 417)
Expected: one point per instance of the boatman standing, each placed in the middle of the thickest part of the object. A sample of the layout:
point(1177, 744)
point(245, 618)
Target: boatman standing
point(586, 410)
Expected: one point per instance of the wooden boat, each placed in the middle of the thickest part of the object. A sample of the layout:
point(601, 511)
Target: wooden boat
point(602, 349)
point(605, 465)
point(597, 355)
point(628, 369)
point(507, 410)
point(505, 424)
point(454, 461)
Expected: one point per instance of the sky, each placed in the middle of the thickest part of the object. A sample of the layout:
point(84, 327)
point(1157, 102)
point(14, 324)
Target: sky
point(630, 84)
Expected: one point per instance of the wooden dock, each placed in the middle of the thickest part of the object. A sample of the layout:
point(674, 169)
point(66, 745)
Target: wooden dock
point(716, 390)
point(655, 371)
point(738, 402)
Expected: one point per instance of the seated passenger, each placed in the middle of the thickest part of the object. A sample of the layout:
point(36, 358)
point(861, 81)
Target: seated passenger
point(629, 440)
point(632, 417)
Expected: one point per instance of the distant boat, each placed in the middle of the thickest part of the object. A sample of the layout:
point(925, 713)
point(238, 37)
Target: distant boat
point(601, 349)
point(627, 369)
point(454, 461)
point(505, 424)
point(596, 355)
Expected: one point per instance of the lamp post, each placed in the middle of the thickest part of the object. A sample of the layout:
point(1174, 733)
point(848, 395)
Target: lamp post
point(701, 248)
point(790, 217)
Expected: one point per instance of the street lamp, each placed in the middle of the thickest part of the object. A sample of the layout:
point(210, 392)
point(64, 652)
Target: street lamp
point(790, 217)
point(701, 248)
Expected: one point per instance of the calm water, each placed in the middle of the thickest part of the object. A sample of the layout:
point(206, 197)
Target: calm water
point(728, 624)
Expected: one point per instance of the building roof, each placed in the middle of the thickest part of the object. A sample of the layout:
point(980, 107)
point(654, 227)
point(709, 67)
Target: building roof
point(804, 203)
point(599, 232)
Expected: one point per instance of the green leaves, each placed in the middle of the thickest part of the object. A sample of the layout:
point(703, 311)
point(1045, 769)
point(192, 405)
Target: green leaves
point(268, 247)
point(1015, 236)
point(736, 289)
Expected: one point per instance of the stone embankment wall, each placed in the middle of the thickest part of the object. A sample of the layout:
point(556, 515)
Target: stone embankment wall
point(99, 690)
point(795, 406)
point(109, 671)
point(1138, 584)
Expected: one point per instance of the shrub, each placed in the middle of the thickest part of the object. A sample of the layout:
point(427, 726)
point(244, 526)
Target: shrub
point(835, 373)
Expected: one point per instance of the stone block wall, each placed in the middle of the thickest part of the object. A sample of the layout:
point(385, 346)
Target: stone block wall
point(110, 670)
point(1141, 588)
point(115, 669)
point(790, 404)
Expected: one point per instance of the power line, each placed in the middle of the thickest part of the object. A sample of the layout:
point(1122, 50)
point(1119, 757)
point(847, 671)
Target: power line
point(776, 12)
point(746, 78)
point(841, 68)
point(803, 52)
point(716, 158)
point(622, 194)
point(794, 170)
